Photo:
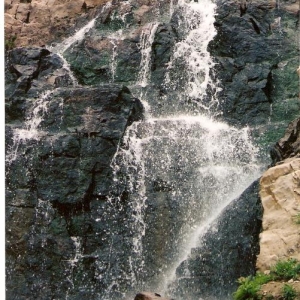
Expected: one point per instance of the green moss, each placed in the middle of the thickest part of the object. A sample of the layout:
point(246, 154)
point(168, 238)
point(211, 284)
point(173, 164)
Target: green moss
point(58, 226)
point(89, 70)
point(286, 110)
point(297, 219)
point(10, 42)
point(266, 137)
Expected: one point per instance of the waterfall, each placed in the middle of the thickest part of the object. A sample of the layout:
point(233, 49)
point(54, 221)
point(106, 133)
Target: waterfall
point(183, 166)
point(173, 172)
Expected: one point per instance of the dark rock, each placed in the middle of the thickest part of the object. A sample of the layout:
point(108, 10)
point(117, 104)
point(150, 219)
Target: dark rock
point(227, 251)
point(288, 145)
point(27, 72)
point(163, 44)
point(61, 177)
point(256, 65)
point(268, 101)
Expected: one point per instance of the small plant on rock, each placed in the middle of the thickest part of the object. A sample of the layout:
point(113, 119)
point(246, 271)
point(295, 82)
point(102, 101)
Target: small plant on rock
point(288, 292)
point(296, 219)
point(283, 270)
point(250, 286)
point(286, 269)
point(10, 43)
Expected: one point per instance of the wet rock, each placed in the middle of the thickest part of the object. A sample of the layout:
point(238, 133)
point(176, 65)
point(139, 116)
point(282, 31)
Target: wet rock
point(227, 251)
point(163, 44)
point(255, 51)
point(67, 240)
point(60, 177)
point(289, 144)
point(27, 72)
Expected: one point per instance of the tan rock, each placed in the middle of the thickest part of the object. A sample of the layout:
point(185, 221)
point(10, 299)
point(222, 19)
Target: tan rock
point(280, 195)
point(94, 3)
point(39, 22)
point(292, 8)
point(274, 289)
point(23, 11)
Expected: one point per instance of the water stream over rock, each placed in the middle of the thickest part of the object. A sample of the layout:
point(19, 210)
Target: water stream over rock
point(108, 195)
point(180, 167)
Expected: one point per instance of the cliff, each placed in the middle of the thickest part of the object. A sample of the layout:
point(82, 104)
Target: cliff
point(73, 227)
point(280, 197)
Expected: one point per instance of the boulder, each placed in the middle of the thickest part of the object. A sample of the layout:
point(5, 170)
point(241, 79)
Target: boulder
point(280, 196)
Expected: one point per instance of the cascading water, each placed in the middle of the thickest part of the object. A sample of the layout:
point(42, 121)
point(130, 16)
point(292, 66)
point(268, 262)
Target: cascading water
point(182, 166)
point(36, 113)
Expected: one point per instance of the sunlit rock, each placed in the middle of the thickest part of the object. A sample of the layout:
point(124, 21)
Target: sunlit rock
point(280, 196)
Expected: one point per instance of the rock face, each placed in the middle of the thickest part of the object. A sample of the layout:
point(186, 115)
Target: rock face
point(256, 54)
point(36, 22)
point(66, 213)
point(227, 251)
point(289, 145)
point(280, 196)
point(59, 176)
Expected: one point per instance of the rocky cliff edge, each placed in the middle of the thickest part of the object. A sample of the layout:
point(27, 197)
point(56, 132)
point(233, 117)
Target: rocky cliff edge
point(280, 196)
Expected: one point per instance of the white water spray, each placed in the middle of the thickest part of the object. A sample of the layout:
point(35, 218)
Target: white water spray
point(202, 164)
point(77, 37)
point(147, 38)
point(32, 123)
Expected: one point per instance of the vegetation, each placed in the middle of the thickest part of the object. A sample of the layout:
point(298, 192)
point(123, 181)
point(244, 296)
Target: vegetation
point(283, 270)
point(288, 292)
point(297, 219)
point(286, 270)
point(10, 43)
point(250, 286)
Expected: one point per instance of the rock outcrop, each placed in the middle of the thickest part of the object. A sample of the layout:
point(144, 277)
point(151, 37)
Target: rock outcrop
point(256, 54)
point(280, 196)
point(289, 145)
point(60, 142)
